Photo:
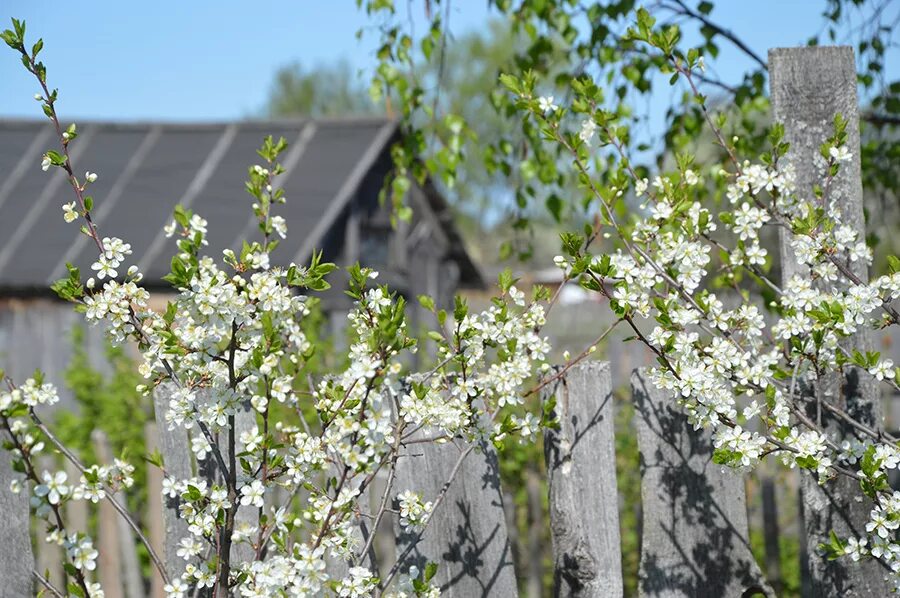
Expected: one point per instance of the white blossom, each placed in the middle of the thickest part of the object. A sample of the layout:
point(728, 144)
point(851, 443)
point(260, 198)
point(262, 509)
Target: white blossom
point(546, 105)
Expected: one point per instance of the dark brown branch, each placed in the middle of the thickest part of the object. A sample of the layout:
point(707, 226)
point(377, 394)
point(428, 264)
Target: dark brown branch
point(719, 30)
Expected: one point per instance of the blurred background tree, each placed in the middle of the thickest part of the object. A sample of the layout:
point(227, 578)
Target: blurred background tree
point(322, 91)
point(461, 78)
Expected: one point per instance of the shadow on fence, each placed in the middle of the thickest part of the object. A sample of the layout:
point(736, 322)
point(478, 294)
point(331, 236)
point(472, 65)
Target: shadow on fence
point(695, 515)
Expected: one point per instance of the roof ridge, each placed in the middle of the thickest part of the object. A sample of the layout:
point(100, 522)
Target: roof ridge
point(126, 124)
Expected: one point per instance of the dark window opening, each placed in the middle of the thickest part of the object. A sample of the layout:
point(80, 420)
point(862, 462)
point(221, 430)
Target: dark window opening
point(375, 246)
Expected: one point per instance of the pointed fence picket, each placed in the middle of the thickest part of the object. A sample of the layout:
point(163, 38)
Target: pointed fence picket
point(581, 477)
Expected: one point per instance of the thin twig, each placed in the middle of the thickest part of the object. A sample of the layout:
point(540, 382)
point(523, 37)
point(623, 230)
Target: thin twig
point(46, 583)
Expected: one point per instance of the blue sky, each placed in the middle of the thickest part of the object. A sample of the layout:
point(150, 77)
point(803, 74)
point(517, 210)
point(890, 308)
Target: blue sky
point(204, 60)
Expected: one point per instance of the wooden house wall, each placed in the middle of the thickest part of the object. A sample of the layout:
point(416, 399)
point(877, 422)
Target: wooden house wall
point(37, 333)
point(415, 259)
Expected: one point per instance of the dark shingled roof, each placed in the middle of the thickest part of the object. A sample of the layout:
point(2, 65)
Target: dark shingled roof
point(145, 169)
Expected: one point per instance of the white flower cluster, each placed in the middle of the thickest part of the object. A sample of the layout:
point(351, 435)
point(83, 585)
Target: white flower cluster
point(114, 252)
point(242, 339)
point(413, 512)
point(53, 489)
point(115, 306)
point(30, 394)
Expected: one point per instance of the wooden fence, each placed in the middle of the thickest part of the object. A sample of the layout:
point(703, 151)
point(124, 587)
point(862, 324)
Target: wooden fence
point(694, 524)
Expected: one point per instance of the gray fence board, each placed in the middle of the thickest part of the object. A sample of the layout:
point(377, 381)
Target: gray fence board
point(581, 465)
point(467, 535)
point(695, 515)
point(809, 86)
point(16, 558)
point(124, 544)
point(110, 561)
point(176, 453)
point(156, 529)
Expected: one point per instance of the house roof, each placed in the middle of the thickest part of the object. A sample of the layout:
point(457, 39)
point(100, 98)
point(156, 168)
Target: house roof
point(146, 168)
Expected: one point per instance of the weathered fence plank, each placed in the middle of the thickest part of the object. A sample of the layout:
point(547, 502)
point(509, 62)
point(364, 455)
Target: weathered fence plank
point(467, 535)
point(809, 86)
point(132, 580)
point(16, 558)
point(581, 465)
point(117, 563)
point(76, 510)
point(534, 582)
point(178, 462)
point(770, 531)
point(695, 514)
point(176, 453)
point(156, 529)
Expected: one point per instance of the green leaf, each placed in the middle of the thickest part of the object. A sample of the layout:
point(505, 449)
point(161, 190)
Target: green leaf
point(192, 493)
point(155, 458)
point(56, 158)
point(723, 456)
point(893, 264)
point(555, 207)
point(426, 302)
point(511, 83)
point(460, 309)
point(182, 216)
point(505, 280)
point(430, 570)
point(10, 38)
